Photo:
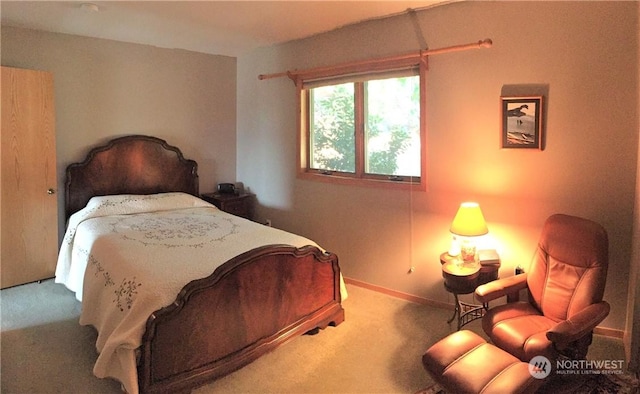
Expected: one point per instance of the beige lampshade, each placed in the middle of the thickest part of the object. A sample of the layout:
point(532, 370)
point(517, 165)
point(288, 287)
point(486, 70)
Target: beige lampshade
point(469, 221)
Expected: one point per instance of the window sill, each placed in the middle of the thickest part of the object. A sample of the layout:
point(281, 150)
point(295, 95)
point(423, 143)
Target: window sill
point(365, 182)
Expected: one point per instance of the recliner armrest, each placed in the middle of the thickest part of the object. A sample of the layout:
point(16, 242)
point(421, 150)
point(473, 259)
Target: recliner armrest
point(578, 325)
point(501, 287)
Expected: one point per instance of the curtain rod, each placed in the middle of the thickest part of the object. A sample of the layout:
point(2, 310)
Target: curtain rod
point(486, 43)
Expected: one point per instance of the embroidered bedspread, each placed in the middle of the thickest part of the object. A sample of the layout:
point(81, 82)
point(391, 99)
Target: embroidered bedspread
point(127, 256)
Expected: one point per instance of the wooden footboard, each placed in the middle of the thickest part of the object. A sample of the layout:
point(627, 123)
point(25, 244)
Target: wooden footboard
point(246, 308)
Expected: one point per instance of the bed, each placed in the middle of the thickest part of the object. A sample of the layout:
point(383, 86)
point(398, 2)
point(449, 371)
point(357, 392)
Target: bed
point(180, 292)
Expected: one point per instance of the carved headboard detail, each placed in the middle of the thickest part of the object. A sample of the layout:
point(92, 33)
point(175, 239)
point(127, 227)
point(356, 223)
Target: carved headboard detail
point(135, 164)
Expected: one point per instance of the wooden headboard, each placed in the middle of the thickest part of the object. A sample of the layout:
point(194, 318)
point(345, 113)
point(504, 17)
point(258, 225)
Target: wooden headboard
point(135, 164)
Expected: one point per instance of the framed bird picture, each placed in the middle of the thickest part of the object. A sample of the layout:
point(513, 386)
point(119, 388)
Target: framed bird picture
point(522, 122)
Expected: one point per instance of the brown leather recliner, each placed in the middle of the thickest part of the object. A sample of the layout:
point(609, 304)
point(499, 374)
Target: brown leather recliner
point(565, 283)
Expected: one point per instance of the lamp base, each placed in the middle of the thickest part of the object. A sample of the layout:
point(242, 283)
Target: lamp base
point(454, 250)
point(468, 251)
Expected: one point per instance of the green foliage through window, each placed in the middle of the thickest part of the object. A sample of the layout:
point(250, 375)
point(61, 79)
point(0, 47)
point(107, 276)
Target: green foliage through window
point(390, 121)
point(392, 131)
point(333, 141)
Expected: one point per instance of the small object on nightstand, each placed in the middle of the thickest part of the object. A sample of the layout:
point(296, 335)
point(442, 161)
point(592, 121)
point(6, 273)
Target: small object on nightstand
point(226, 188)
point(489, 265)
point(488, 257)
point(236, 204)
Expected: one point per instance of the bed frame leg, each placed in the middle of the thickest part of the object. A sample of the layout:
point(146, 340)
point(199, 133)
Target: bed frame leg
point(313, 331)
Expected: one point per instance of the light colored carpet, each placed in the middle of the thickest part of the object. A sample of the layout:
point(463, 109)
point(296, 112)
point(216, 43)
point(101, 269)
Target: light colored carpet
point(377, 349)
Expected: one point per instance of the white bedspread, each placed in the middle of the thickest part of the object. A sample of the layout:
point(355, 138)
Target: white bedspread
point(127, 256)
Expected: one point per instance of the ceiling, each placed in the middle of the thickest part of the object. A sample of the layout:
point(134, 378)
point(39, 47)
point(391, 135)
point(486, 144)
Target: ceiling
point(228, 28)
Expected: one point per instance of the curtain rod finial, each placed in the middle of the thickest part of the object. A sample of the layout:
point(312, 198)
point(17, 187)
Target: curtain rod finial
point(486, 43)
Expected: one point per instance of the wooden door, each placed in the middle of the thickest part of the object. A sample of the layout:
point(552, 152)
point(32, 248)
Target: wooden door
point(29, 214)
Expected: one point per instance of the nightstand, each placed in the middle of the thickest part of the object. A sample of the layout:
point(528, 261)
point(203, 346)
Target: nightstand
point(463, 278)
point(236, 204)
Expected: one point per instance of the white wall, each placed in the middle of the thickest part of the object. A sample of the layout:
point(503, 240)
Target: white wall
point(580, 53)
point(105, 89)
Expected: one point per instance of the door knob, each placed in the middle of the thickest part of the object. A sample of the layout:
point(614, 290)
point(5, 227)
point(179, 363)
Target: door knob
point(51, 191)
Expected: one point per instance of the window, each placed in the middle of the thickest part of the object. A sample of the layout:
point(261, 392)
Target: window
point(364, 128)
point(332, 128)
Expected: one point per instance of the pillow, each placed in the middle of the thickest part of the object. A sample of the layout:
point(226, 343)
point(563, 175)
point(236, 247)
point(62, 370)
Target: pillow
point(124, 204)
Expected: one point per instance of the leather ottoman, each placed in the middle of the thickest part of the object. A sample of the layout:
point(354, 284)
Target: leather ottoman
point(464, 362)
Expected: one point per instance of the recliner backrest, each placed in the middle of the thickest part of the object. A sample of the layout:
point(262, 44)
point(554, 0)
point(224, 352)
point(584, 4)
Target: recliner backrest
point(569, 268)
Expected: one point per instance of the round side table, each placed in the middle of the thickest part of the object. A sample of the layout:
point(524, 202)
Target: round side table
point(461, 278)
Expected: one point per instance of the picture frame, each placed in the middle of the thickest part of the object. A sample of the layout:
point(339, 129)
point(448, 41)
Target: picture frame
point(522, 122)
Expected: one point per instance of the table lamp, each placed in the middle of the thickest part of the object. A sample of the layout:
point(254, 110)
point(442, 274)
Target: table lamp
point(467, 224)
